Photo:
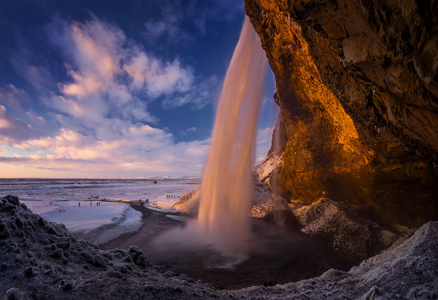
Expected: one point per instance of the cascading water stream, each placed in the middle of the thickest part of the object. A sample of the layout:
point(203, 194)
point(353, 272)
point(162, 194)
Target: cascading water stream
point(223, 236)
point(227, 183)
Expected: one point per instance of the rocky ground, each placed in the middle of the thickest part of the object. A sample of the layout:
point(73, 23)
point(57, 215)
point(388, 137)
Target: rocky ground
point(42, 260)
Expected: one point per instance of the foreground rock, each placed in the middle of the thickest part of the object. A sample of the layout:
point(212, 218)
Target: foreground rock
point(42, 260)
point(409, 271)
point(348, 232)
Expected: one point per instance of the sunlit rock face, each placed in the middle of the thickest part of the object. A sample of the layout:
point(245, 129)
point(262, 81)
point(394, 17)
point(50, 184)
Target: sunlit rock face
point(357, 87)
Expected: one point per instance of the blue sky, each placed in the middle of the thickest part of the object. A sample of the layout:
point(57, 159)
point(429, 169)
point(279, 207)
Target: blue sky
point(115, 88)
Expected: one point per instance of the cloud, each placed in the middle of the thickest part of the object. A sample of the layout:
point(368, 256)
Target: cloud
point(264, 135)
point(114, 72)
point(158, 78)
point(101, 110)
point(174, 17)
point(189, 130)
point(14, 99)
point(30, 66)
point(22, 124)
point(12, 129)
point(168, 28)
point(263, 140)
point(142, 149)
point(198, 96)
point(167, 23)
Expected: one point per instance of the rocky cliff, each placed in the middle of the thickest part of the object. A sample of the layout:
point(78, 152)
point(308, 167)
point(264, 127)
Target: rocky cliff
point(357, 87)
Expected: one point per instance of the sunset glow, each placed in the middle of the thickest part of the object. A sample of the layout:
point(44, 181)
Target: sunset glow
point(94, 95)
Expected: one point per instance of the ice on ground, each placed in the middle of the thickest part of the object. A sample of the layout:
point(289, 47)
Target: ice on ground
point(41, 207)
point(83, 189)
point(164, 201)
point(57, 200)
point(88, 215)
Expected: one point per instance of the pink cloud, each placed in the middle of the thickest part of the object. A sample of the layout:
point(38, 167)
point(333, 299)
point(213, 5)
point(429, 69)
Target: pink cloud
point(13, 130)
point(101, 119)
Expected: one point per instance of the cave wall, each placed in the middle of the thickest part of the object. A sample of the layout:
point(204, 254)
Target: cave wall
point(357, 87)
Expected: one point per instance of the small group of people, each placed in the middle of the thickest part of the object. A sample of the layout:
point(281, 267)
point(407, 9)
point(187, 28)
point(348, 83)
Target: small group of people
point(145, 201)
point(172, 196)
point(91, 203)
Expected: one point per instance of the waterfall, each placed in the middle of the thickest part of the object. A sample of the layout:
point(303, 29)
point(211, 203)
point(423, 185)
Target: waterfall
point(227, 182)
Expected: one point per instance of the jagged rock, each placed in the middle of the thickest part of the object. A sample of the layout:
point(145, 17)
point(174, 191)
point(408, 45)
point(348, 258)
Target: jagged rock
point(29, 272)
point(12, 199)
point(4, 231)
point(88, 258)
point(15, 294)
point(141, 261)
point(350, 236)
point(108, 255)
point(9, 207)
point(99, 261)
point(135, 249)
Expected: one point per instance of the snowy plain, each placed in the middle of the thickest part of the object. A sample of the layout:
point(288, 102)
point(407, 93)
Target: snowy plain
point(101, 206)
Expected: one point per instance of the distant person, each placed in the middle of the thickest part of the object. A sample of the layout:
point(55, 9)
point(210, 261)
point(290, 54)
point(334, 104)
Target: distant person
point(79, 204)
point(147, 201)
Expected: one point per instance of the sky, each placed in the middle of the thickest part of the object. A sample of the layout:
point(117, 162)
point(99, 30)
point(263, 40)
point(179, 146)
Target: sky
point(104, 89)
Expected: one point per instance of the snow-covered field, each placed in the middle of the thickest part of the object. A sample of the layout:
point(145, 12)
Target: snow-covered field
point(74, 202)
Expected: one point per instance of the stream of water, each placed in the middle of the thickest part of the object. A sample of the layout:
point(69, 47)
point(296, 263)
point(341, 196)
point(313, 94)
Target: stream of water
point(227, 183)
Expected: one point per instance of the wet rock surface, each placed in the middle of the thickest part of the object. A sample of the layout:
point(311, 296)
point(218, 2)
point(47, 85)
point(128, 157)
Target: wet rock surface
point(356, 82)
point(42, 260)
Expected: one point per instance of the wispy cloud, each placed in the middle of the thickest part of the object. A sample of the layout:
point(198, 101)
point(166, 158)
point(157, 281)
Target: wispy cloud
point(12, 129)
point(102, 110)
point(263, 138)
point(174, 17)
point(189, 130)
point(158, 78)
point(16, 122)
point(143, 149)
point(197, 97)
